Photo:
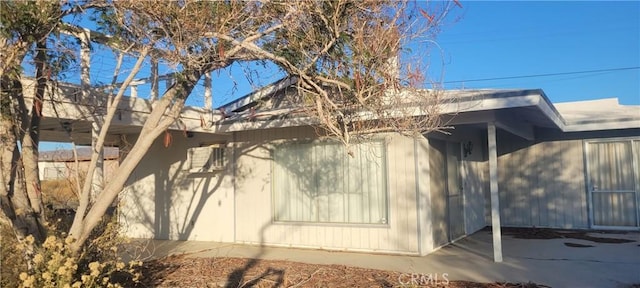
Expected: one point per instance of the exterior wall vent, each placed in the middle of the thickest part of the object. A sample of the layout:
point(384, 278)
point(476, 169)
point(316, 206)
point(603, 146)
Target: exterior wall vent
point(206, 159)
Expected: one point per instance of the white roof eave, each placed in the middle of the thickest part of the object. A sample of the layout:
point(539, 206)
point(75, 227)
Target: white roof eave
point(604, 125)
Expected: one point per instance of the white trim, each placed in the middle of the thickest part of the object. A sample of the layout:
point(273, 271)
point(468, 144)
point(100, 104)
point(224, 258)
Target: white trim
point(635, 154)
point(603, 125)
point(260, 93)
point(552, 113)
point(613, 139)
point(423, 190)
point(495, 197)
point(330, 224)
point(521, 130)
point(587, 183)
point(621, 228)
point(234, 181)
point(330, 248)
point(416, 167)
point(463, 177)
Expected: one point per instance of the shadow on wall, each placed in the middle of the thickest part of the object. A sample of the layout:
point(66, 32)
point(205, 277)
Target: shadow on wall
point(164, 198)
point(169, 177)
point(148, 204)
point(469, 144)
point(166, 201)
point(318, 182)
point(541, 184)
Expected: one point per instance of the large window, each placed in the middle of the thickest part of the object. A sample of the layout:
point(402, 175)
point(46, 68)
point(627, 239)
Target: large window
point(320, 182)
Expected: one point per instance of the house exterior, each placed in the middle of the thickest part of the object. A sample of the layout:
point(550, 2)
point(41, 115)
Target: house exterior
point(512, 159)
point(61, 164)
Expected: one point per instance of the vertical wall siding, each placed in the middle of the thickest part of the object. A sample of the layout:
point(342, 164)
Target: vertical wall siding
point(474, 170)
point(254, 205)
point(474, 176)
point(541, 185)
point(439, 216)
point(423, 190)
point(164, 201)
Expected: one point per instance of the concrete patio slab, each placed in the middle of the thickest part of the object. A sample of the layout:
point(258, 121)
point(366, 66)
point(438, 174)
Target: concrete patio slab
point(542, 261)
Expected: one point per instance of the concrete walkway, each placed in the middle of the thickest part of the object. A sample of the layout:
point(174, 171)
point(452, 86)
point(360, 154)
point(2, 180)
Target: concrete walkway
point(549, 262)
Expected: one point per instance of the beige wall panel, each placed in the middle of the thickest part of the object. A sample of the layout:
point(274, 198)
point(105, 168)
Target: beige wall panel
point(474, 194)
point(254, 203)
point(438, 193)
point(474, 172)
point(165, 201)
point(423, 183)
point(542, 184)
point(475, 175)
point(49, 170)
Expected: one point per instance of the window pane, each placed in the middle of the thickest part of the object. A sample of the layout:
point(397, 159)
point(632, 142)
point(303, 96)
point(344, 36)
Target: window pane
point(610, 165)
point(329, 171)
point(319, 182)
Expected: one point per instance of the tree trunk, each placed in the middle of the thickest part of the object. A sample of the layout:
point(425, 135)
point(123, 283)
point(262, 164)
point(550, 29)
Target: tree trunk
point(15, 201)
point(22, 200)
point(31, 138)
point(157, 122)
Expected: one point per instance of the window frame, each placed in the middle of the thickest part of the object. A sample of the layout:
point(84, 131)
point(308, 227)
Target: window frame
point(635, 158)
point(216, 162)
point(384, 171)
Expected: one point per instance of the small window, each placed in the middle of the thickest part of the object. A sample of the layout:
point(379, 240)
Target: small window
point(52, 173)
point(319, 182)
point(208, 158)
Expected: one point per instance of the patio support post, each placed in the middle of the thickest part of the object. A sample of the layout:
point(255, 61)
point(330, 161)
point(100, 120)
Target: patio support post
point(495, 199)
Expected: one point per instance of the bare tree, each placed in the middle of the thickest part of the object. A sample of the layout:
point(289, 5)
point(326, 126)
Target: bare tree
point(345, 55)
point(24, 33)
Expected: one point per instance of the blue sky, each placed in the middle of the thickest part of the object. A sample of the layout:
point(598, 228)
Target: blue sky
point(495, 39)
point(506, 39)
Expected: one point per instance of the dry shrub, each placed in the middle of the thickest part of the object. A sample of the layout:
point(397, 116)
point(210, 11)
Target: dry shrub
point(59, 193)
point(12, 263)
point(98, 265)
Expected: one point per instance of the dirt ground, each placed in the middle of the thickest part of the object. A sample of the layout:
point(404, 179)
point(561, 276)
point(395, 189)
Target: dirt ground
point(182, 271)
point(548, 233)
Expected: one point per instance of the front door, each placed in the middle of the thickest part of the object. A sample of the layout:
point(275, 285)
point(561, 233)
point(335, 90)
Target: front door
point(613, 178)
point(454, 192)
point(447, 211)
